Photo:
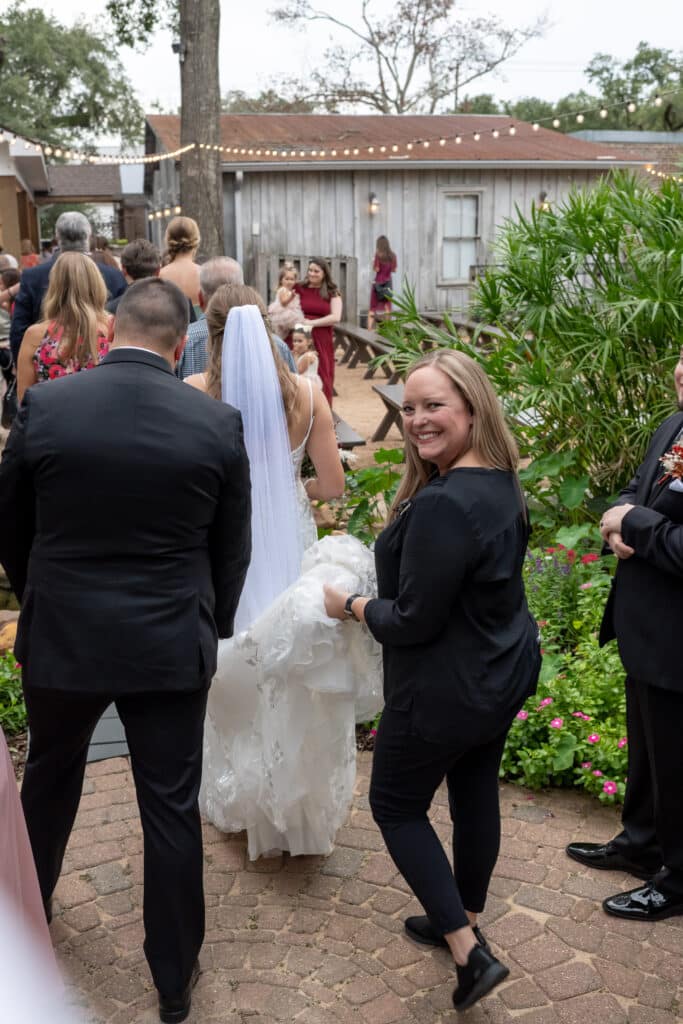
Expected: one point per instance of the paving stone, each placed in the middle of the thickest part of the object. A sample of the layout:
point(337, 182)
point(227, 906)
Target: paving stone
point(362, 989)
point(545, 900)
point(650, 1015)
point(523, 871)
point(514, 929)
point(657, 993)
point(568, 980)
point(385, 1010)
point(343, 862)
point(622, 981)
point(595, 1007)
point(540, 953)
point(578, 936)
point(522, 995)
point(400, 953)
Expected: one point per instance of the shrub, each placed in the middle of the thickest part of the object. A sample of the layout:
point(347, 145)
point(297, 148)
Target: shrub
point(12, 710)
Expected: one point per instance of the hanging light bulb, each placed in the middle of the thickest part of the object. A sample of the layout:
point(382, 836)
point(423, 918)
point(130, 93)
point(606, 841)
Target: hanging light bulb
point(658, 101)
point(458, 139)
point(394, 149)
point(442, 142)
point(604, 112)
point(556, 122)
point(495, 133)
point(580, 118)
point(631, 107)
point(512, 130)
point(426, 143)
point(535, 126)
point(476, 136)
point(409, 145)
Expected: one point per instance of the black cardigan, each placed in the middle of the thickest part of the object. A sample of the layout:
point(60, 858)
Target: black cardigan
point(461, 650)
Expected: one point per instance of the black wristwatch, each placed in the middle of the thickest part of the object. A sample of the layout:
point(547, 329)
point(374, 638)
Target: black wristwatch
point(348, 610)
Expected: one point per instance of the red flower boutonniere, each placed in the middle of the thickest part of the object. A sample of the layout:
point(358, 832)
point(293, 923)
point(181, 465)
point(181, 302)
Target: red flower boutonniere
point(672, 462)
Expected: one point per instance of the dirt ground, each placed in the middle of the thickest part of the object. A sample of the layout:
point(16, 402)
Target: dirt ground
point(362, 409)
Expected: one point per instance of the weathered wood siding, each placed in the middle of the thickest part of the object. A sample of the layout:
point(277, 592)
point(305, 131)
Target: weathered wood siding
point(328, 212)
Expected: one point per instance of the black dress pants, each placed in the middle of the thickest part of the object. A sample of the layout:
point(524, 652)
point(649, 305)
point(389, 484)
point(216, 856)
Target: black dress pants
point(653, 804)
point(406, 773)
point(164, 733)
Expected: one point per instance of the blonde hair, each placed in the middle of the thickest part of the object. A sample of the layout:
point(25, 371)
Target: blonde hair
point(491, 437)
point(75, 301)
point(286, 268)
point(182, 235)
point(225, 298)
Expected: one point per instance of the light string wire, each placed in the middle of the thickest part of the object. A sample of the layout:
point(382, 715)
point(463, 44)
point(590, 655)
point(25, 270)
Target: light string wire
point(308, 151)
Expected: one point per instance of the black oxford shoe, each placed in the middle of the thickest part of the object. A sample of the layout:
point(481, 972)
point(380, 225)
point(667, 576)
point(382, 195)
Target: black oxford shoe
point(419, 929)
point(480, 974)
point(604, 857)
point(645, 904)
point(174, 1009)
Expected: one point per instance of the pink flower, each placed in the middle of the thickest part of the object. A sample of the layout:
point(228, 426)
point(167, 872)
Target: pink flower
point(597, 772)
point(544, 703)
point(609, 787)
point(586, 764)
point(522, 715)
point(585, 586)
point(589, 558)
point(373, 732)
point(622, 742)
point(556, 723)
point(594, 737)
point(542, 622)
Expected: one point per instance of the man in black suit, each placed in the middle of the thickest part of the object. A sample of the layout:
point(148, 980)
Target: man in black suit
point(73, 235)
point(125, 503)
point(644, 612)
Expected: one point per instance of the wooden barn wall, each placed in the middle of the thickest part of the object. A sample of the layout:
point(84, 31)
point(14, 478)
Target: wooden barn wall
point(327, 213)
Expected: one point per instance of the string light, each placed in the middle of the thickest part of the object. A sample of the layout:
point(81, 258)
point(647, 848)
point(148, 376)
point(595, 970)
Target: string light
point(556, 122)
point(495, 133)
point(580, 118)
point(604, 112)
point(631, 107)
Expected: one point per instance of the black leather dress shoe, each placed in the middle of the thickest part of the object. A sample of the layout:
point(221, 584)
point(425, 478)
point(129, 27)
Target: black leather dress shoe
point(174, 1009)
point(419, 929)
point(481, 973)
point(644, 904)
point(604, 857)
point(47, 904)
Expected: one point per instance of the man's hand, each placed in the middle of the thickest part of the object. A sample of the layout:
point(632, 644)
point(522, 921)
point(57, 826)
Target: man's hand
point(612, 520)
point(617, 545)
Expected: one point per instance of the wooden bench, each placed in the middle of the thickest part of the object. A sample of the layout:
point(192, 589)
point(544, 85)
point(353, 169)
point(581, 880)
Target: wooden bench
point(347, 438)
point(360, 346)
point(392, 396)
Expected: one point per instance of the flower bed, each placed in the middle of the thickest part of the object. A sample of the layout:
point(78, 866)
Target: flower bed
point(573, 731)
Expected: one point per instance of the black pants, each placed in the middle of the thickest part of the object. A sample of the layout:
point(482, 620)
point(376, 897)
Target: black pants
point(164, 733)
point(406, 772)
point(653, 804)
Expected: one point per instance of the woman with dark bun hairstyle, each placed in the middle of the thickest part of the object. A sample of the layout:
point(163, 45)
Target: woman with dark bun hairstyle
point(182, 241)
point(321, 303)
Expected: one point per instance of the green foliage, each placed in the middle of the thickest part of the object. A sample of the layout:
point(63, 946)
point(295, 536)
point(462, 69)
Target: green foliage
point(268, 101)
point(369, 493)
point(135, 21)
point(50, 214)
point(590, 297)
point(12, 710)
point(573, 730)
point(62, 85)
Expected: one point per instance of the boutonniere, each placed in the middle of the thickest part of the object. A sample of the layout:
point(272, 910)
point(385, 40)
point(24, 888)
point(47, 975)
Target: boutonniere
point(672, 461)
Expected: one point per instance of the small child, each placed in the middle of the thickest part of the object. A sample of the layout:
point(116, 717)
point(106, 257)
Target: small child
point(304, 354)
point(285, 310)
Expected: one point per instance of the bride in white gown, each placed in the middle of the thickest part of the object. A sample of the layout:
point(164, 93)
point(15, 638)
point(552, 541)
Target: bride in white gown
point(279, 748)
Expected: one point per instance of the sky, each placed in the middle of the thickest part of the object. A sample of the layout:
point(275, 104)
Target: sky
point(253, 49)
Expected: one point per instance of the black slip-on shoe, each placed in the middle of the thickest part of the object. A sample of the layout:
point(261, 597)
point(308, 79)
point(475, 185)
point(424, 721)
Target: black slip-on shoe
point(604, 857)
point(644, 904)
point(477, 977)
point(419, 929)
point(174, 1009)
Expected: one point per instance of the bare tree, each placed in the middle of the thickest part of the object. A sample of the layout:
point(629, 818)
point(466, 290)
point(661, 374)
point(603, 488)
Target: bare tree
point(197, 24)
point(416, 59)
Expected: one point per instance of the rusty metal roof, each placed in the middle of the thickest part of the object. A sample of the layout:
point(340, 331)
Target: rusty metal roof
point(339, 135)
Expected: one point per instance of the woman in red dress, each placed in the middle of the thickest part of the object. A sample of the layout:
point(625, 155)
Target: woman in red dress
point(384, 265)
point(322, 308)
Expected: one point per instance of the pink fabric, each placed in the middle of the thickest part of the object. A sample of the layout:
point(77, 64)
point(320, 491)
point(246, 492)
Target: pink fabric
point(18, 879)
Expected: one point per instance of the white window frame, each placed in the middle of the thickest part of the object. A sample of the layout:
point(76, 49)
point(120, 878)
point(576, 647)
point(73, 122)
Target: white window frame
point(446, 192)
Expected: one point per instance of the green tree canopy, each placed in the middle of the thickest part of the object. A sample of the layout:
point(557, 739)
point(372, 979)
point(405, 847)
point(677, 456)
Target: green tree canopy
point(62, 85)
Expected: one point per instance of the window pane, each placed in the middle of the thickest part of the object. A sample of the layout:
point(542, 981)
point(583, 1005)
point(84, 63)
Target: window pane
point(458, 257)
point(452, 222)
point(470, 205)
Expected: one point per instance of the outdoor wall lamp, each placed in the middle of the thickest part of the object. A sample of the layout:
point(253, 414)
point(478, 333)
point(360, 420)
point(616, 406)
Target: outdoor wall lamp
point(543, 203)
point(374, 203)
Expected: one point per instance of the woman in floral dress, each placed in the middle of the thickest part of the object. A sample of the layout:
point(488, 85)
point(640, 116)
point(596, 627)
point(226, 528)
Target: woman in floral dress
point(74, 334)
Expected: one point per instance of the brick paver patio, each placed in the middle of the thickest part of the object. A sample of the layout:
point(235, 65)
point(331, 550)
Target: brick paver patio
point(320, 941)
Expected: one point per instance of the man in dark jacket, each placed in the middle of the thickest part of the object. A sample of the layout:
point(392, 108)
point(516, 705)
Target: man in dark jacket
point(125, 503)
point(644, 612)
point(73, 235)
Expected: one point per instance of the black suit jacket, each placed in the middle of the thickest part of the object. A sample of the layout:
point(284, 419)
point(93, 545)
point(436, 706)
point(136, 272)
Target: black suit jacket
point(125, 504)
point(644, 610)
point(30, 297)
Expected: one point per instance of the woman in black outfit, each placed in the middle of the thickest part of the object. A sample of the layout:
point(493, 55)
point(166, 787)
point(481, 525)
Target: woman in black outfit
point(461, 651)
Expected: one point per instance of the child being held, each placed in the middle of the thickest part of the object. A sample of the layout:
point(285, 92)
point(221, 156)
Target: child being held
point(305, 356)
point(285, 310)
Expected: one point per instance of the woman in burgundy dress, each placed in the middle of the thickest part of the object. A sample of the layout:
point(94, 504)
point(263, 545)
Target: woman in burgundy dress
point(384, 265)
point(322, 308)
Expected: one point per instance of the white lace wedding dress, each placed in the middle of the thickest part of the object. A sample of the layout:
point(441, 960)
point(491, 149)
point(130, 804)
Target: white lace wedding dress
point(279, 747)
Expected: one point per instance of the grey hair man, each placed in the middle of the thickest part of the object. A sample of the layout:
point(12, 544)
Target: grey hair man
point(73, 235)
point(214, 273)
